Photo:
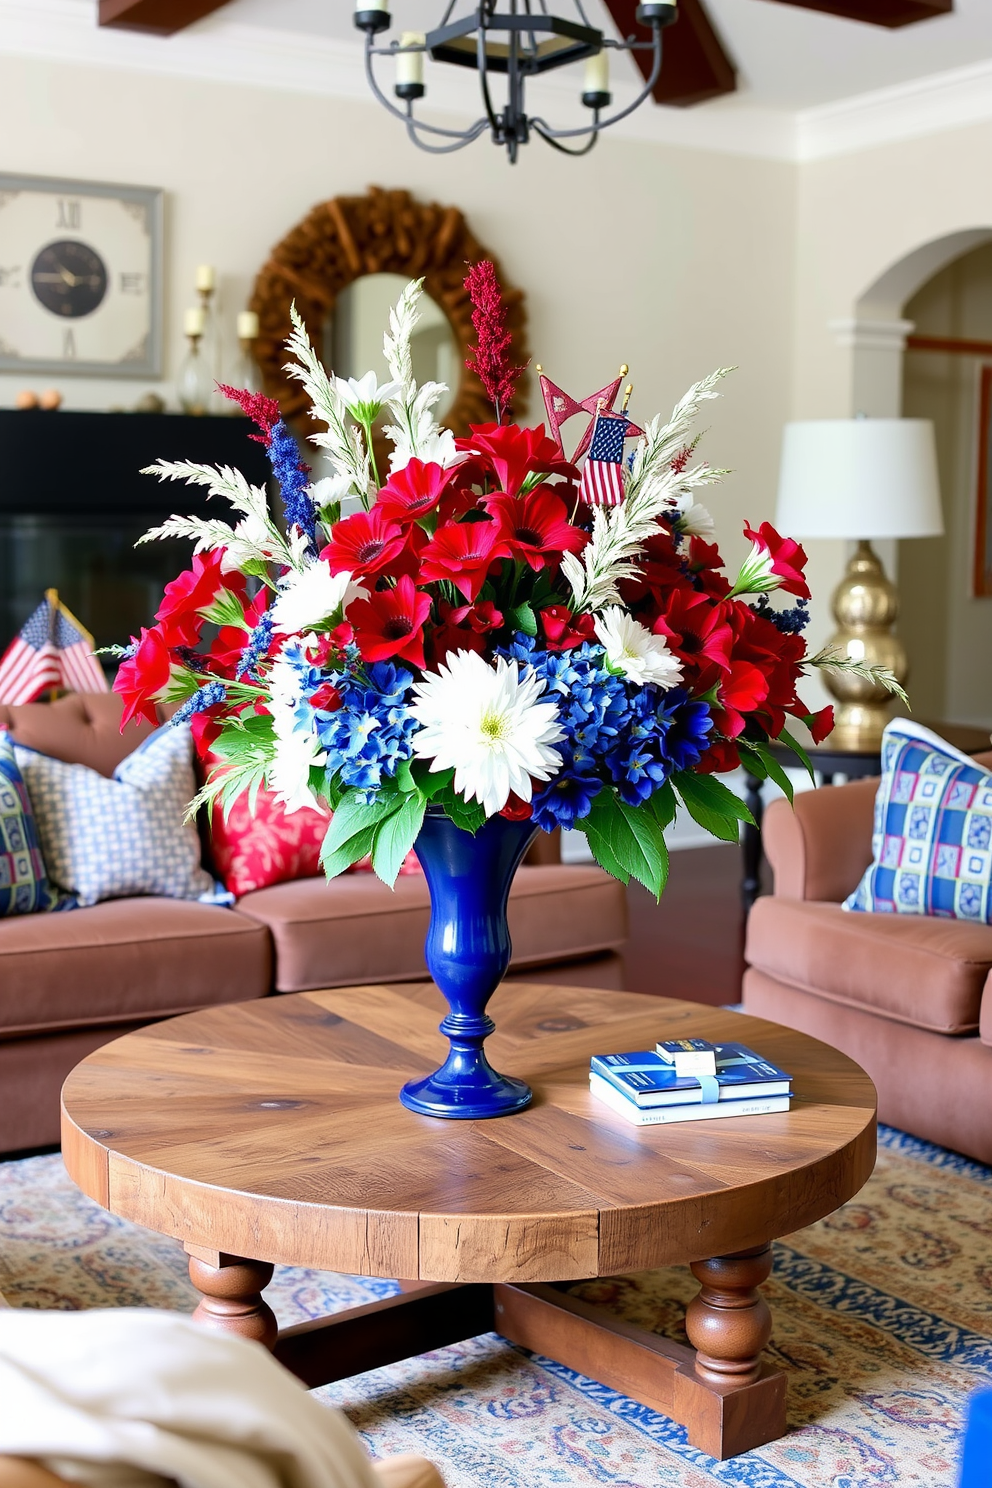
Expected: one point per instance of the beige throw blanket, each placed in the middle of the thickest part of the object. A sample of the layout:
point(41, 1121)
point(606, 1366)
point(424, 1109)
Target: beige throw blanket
point(133, 1399)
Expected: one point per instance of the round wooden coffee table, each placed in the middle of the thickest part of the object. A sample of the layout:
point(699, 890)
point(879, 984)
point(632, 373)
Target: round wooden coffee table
point(270, 1132)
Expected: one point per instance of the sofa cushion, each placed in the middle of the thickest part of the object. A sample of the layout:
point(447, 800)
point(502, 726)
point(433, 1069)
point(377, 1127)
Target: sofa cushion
point(914, 969)
point(24, 886)
point(124, 960)
point(108, 839)
point(932, 839)
point(355, 930)
point(83, 728)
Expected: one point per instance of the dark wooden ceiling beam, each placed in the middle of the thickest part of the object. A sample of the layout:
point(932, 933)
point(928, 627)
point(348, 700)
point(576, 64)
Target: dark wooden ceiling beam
point(159, 17)
point(877, 12)
point(695, 67)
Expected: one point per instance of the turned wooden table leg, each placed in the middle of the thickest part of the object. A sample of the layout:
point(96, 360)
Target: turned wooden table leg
point(231, 1296)
point(728, 1321)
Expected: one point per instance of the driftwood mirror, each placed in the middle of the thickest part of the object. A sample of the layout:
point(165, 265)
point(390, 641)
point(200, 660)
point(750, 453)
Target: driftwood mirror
point(345, 264)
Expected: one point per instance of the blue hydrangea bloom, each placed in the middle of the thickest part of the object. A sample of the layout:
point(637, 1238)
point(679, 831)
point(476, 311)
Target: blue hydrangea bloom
point(616, 733)
point(369, 735)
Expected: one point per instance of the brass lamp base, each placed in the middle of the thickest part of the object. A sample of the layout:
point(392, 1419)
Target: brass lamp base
point(865, 605)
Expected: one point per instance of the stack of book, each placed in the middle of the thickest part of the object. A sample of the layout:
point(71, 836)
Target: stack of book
point(689, 1080)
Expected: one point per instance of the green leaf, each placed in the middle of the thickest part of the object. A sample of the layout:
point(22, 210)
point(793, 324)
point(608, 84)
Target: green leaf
point(786, 738)
point(773, 770)
point(629, 837)
point(522, 617)
point(751, 762)
point(663, 805)
point(354, 819)
point(713, 805)
point(405, 782)
point(431, 784)
point(599, 846)
point(395, 837)
point(335, 858)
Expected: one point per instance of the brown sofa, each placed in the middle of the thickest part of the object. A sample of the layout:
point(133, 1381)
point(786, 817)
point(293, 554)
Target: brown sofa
point(70, 981)
point(908, 996)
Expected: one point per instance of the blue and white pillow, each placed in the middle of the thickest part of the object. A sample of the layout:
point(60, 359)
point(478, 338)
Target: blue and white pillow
point(111, 839)
point(24, 886)
point(932, 841)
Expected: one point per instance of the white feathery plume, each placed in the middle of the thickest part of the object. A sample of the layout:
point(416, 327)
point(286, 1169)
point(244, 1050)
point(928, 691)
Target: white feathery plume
point(343, 442)
point(620, 532)
point(415, 431)
point(255, 539)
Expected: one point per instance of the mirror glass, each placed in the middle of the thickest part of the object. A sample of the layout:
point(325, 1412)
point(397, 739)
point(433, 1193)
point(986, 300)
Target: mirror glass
point(353, 344)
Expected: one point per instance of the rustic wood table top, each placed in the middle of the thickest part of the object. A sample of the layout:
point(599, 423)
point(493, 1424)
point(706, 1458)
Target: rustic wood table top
point(272, 1130)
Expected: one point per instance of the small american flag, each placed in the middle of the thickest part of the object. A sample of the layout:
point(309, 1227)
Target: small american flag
point(602, 474)
point(52, 650)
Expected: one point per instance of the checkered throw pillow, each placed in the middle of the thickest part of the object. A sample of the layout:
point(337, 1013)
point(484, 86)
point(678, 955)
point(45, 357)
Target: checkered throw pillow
point(111, 839)
point(932, 843)
point(24, 885)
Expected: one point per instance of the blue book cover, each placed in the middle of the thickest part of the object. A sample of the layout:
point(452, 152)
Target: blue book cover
point(647, 1079)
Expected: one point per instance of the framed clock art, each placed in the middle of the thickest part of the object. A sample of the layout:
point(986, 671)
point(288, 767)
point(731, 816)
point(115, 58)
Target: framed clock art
point(80, 277)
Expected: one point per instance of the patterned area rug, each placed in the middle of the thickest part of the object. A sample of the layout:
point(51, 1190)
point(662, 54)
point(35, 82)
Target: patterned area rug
point(883, 1320)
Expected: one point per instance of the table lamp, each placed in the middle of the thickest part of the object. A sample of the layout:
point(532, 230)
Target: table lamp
point(861, 478)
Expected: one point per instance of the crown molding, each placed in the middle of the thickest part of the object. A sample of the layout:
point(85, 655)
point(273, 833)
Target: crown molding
point(928, 105)
point(219, 50)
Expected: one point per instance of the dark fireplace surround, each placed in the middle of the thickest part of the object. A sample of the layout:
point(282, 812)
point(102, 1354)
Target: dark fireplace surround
point(73, 504)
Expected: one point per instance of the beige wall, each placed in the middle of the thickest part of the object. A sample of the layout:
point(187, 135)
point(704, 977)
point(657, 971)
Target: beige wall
point(674, 261)
point(859, 216)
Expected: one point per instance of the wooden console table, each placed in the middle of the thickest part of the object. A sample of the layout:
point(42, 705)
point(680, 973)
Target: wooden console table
point(270, 1132)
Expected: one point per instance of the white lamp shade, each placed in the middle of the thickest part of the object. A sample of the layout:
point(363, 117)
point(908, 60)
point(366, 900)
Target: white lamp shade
point(859, 478)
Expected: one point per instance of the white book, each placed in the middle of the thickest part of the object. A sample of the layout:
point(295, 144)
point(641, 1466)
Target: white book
point(666, 1115)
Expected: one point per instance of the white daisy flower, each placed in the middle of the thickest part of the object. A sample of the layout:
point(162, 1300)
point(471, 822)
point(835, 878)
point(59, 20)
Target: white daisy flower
point(632, 650)
point(488, 723)
point(308, 597)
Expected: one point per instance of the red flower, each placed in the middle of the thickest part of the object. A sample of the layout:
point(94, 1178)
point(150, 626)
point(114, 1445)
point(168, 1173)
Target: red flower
point(142, 678)
point(327, 698)
point(227, 646)
point(365, 543)
point(517, 810)
point(820, 724)
point(563, 630)
point(391, 623)
point(205, 728)
point(535, 527)
point(705, 565)
point(264, 412)
point(786, 558)
point(463, 552)
point(512, 453)
point(697, 629)
point(464, 628)
point(180, 614)
point(413, 491)
point(722, 755)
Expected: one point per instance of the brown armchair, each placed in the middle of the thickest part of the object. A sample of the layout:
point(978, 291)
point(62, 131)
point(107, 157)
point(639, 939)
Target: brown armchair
point(904, 995)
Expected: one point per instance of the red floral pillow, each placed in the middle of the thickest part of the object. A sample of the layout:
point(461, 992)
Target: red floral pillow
point(253, 850)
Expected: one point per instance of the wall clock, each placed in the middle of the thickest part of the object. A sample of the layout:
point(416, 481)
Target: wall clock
point(80, 277)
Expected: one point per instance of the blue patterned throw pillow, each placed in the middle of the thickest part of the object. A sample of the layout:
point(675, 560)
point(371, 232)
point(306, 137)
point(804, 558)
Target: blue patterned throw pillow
point(932, 843)
point(111, 839)
point(24, 885)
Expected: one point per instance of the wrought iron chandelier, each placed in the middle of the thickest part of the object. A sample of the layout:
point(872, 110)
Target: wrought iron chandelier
point(520, 41)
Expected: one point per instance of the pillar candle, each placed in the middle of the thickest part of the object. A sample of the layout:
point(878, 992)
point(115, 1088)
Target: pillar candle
point(597, 78)
point(205, 278)
point(410, 66)
point(193, 321)
point(247, 325)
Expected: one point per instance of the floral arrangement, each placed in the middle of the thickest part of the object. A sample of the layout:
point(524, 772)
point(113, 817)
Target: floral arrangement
point(475, 636)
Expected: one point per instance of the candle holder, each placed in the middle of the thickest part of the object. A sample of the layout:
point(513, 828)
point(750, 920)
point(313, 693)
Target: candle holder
point(246, 374)
point(194, 384)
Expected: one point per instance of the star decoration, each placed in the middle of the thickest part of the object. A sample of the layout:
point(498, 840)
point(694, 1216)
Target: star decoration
point(561, 406)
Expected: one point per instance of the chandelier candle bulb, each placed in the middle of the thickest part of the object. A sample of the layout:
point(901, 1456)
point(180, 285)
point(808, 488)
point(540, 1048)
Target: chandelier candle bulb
point(596, 84)
point(410, 66)
point(205, 279)
point(194, 321)
point(247, 325)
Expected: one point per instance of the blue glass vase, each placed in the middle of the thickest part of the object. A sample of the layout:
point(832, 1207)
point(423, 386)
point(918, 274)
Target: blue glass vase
point(468, 951)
